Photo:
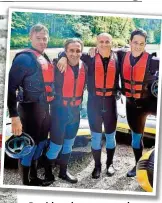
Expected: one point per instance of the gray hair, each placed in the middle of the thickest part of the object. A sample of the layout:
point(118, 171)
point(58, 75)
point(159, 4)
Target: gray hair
point(37, 28)
point(73, 40)
point(104, 34)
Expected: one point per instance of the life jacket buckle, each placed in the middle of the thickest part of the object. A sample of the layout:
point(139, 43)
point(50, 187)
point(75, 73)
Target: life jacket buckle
point(73, 99)
point(133, 91)
point(104, 90)
point(133, 82)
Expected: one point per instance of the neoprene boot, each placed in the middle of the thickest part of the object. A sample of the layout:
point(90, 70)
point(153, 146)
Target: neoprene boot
point(34, 180)
point(49, 177)
point(137, 154)
point(65, 175)
point(24, 173)
point(97, 158)
point(109, 163)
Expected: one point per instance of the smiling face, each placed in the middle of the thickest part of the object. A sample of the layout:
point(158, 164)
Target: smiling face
point(39, 40)
point(104, 43)
point(73, 53)
point(137, 45)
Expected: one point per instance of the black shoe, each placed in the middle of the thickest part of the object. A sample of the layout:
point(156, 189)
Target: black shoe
point(110, 171)
point(68, 177)
point(132, 173)
point(48, 180)
point(36, 182)
point(65, 175)
point(96, 172)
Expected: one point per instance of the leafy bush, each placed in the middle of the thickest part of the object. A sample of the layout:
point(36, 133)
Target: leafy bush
point(90, 42)
point(117, 42)
point(56, 42)
point(19, 42)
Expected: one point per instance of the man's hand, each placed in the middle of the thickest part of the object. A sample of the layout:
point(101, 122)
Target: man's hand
point(62, 64)
point(16, 126)
point(92, 51)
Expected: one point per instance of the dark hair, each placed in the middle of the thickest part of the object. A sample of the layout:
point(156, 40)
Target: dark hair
point(73, 40)
point(139, 32)
point(37, 28)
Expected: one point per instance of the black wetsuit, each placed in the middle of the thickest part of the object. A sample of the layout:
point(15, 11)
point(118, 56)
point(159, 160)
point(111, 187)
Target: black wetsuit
point(138, 109)
point(101, 109)
point(34, 116)
point(64, 121)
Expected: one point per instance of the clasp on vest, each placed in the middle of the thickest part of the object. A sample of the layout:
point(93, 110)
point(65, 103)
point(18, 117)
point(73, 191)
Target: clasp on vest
point(133, 91)
point(133, 82)
point(73, 99)
point(104, 90)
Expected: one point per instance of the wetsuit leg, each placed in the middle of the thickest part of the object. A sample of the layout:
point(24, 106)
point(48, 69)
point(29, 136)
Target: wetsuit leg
point(36, 122)
point(59, 120)
point(94, 107)
point(94, 110)
point(70, 134)
point(110, 122)
point(136, 117)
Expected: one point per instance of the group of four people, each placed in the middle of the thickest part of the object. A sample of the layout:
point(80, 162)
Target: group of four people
point(50, 93)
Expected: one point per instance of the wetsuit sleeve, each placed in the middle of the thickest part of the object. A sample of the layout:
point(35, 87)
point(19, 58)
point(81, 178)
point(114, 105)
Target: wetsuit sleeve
point(85, 57)
point(61, 54)
point(120, 55)
point(154, 65)
point(117, 72)
point(21, 67)
point(58, 77)
point(86, 76)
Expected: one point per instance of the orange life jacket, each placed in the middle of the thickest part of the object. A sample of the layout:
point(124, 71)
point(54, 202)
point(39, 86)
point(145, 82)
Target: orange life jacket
point(104, 82)
point(133, 77)
point(72, 90)
point(47, 72)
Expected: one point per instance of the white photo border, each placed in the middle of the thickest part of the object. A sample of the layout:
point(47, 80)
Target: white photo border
point(11, 10)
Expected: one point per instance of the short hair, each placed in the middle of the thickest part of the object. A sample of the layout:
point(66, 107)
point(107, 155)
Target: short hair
point(104, 34)
point(141, 32)
point(37, 28)
point(73, 40)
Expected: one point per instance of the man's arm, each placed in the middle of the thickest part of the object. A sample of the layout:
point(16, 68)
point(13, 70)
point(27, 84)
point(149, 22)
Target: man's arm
point(154, 65)
point(62, 62)
point(17, 73)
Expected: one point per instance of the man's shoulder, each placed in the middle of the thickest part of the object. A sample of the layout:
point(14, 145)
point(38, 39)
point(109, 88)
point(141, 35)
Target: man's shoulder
point(155, 58)
point(22, 57)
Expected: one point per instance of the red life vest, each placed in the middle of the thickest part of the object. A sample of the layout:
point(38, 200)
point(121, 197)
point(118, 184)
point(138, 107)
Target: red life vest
point(133, 77)
point(72, 91)
point(104, 82)
point(47, 72)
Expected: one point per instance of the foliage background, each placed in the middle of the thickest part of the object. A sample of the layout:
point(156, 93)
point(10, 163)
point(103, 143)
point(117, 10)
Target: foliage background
point(86, 27)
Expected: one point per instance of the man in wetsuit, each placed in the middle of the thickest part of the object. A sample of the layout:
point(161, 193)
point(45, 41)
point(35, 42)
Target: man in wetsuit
point(32, 74)
point(138, 72)
point(102, 86)
point(65, 110)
